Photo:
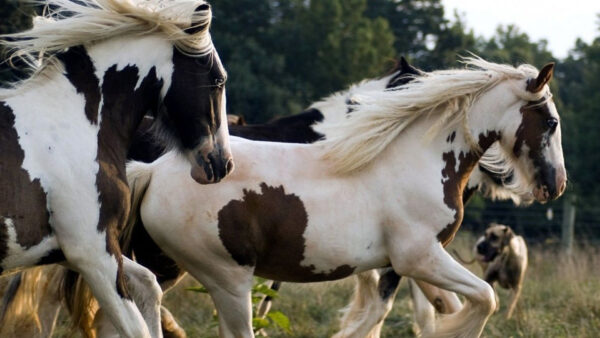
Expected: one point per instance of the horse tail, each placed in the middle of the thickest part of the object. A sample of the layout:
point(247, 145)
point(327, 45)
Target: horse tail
point(20, 302)
point(464, 261)
point(80, 302)
point(10, 294)
point(138, 176)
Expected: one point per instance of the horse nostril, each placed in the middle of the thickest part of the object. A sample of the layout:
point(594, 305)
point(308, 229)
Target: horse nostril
point(562, 188)
point(229, 166)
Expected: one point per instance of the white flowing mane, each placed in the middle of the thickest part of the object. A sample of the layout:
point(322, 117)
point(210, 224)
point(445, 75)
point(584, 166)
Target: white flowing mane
point(69, 23)
point(381, 116)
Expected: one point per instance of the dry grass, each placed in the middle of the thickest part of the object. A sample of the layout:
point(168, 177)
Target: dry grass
point(561, 298)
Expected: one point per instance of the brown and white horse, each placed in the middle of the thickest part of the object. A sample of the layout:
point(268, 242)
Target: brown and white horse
point(99, 67)
point(401, 160)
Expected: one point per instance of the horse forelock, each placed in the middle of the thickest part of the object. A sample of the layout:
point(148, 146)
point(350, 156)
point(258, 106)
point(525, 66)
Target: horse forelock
point(69, 23)
point(354, 142)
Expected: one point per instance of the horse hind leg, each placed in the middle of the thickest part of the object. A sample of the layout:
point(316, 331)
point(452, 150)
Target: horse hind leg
point(440, 269)
point(388, 286)
point(373, 299)
point(423, 310)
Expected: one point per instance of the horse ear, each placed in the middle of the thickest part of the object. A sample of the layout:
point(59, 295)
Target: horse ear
point(545, 75)
point(404, 64)
point(196, 27)
point(407, 68)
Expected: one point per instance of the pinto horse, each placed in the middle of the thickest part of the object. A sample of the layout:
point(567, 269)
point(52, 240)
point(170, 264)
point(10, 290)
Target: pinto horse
point(98, 67)
point(397, 152)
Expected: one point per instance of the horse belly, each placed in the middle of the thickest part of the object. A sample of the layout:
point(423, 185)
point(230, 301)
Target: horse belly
point(267, 230)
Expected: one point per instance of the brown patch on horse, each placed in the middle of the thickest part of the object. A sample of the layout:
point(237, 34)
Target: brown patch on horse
point(80, 71)
point(122, 111)
point(455, 181)
point(533, 114)
point(22, 200)
point(265, 230)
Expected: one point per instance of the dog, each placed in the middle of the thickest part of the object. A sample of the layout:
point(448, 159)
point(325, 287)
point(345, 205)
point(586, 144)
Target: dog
point(502, 256)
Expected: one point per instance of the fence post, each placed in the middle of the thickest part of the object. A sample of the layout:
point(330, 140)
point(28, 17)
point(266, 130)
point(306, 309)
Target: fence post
point(568, 223)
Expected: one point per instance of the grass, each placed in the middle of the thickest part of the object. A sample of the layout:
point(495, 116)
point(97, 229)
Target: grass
point(561, 298)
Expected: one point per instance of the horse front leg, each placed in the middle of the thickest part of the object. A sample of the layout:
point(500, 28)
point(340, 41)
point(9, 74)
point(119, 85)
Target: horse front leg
point(103, 274)
point(435, 266)
point(444, 301)
point(229, 286)
point(92, 250)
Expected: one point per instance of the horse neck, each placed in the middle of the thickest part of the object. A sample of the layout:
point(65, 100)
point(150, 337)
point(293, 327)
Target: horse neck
point(453, 147)
point(130, 75)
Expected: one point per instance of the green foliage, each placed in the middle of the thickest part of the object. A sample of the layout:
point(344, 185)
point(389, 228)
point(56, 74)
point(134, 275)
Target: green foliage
point(260, 290)
point(282, 55)
point(579, 76)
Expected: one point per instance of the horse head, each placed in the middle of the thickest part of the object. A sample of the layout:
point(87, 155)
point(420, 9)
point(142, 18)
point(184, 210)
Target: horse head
point(536, 142)
point(194, 107)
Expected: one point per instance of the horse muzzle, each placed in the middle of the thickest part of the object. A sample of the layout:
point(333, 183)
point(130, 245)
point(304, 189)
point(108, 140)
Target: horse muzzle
point(212, 167)
point(546, 192)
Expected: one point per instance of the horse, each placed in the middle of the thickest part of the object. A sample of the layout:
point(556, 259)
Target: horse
point(403, 155)
point(98, 66)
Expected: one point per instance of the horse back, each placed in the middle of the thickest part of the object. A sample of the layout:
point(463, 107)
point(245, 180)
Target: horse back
point(290, 129)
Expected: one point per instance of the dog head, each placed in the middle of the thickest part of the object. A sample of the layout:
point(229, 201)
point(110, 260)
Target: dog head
point(492, 243)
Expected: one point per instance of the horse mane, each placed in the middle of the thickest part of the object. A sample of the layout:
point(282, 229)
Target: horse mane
point(514, 186)
point(381, 116)
point(69, 23)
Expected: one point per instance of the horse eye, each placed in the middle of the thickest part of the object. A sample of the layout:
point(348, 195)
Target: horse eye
point(552, 123)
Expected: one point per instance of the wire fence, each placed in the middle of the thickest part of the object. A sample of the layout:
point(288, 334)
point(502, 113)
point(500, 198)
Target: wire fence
point(538, 223)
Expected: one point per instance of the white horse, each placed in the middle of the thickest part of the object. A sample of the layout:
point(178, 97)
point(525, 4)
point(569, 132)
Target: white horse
point(99, 67)
point(385, 188)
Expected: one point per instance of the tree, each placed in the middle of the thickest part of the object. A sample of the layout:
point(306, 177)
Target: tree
point(281, 55)
point(580, 80)
point(415, 23)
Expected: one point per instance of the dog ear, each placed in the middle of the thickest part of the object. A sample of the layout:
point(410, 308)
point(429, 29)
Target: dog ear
point(508, 235)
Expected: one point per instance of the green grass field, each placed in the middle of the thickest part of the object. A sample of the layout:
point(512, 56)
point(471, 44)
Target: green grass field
point(561, 298)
